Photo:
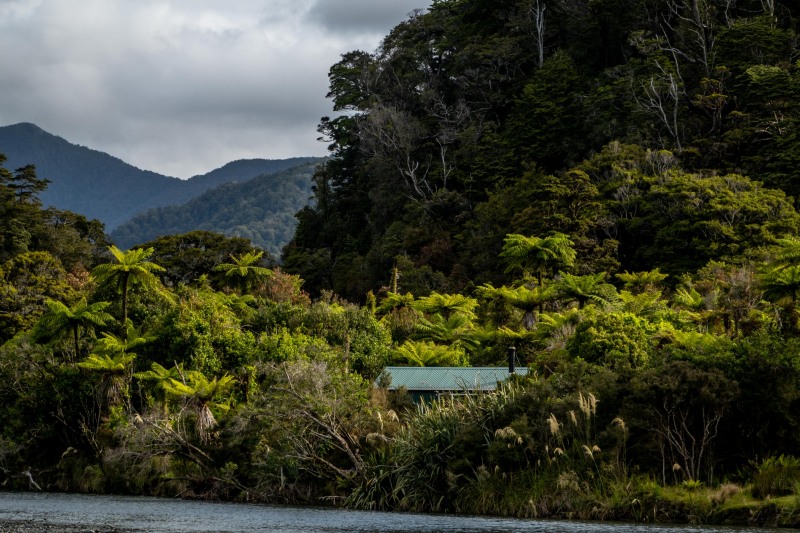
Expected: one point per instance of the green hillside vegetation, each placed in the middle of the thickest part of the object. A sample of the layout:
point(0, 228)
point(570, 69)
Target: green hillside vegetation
point(261, 209)
point(100, 186)
point(495, 183)
point(646, 131)
point(195, 367)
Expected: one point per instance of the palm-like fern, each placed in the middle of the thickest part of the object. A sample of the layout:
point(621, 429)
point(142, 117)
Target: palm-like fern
point(539, 255)
point(645, 304)
point(60, 320)
point(584, 289)
point(554, 329)
point(395, 300)
point(160, 377)
point(427, 353)
point(114, 371)
point(456, 330)
point(688, 299)
point(133, 338)
point(244, 271)
point(788, 251)
point(202, 395)
point(447, 305)
point(782, 285)
point(130, 268)
point(695, 306)
point(637, 282)
point(524, 298)
point(112, 357)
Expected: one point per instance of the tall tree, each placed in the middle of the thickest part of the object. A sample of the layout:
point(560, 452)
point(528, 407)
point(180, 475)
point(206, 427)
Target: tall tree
point(188, 256)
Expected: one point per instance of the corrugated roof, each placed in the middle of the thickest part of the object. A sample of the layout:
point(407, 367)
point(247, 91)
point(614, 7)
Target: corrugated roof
point(448, 378)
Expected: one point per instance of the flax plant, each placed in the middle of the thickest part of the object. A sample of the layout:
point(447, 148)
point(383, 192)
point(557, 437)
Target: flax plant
point(411, 471)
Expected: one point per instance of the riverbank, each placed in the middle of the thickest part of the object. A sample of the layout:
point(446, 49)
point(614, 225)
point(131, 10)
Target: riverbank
point(31, 526)
point(639, 501)
point(82, 513)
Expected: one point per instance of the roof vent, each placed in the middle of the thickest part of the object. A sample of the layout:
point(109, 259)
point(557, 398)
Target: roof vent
point(512, 356)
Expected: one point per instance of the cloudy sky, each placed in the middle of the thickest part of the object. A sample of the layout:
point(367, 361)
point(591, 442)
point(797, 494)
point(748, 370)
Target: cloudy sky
point(181, 87)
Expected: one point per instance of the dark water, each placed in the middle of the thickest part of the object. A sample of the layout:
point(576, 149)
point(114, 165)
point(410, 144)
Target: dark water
point(38, 512)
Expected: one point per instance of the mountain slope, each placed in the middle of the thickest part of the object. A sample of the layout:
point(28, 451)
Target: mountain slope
point(235, 171)
point(83, 180)
point(104, 187)
point(261, 209)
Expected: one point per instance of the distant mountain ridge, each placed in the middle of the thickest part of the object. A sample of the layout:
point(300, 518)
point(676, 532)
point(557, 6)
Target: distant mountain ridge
point(98, 185)
point(261, 209)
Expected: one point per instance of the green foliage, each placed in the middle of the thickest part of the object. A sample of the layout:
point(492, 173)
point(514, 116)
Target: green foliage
point(447, 305)
point(189, 256)
point(539, 255)
point(202, 332)
point(767, 368)
point(426, 353)
point(584, 289)
point(524, 298)
point(203, 396)
point(782, 285)
point(484, 154)
point(128, 269)
point(545, 123)
point(638, 282)
point(26, 282)
point(776, 476)
point(244, 271)
point(316, 415)
point(615, 340)
point(60, 320)
point(292, 346)
point(683, 406)
point(479, 131)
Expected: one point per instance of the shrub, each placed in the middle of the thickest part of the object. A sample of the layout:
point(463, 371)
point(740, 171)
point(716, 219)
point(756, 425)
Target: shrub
point(776, 476)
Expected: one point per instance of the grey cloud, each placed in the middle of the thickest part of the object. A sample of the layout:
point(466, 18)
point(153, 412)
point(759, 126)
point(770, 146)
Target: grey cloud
point(182, 86)
point(356, 16)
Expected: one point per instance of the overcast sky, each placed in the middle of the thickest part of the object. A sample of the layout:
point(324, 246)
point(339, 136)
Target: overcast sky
point(181, 87)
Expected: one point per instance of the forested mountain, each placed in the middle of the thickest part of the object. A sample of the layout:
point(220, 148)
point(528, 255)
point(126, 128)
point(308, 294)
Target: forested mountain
point(261, 209)
point(651, 132)
point(100, 186)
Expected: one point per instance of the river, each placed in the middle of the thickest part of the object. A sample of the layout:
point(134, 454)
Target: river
point(34, 512)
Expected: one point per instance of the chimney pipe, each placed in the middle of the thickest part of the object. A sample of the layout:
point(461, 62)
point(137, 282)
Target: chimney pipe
point(512, 356)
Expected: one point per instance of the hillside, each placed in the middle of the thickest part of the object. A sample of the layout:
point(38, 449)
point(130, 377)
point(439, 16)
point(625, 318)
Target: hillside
point(101, 186)
point(235, 171)
point(261, 209)
point(619, 124)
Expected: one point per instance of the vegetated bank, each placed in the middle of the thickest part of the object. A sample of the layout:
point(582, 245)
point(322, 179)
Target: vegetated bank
point(645, 402)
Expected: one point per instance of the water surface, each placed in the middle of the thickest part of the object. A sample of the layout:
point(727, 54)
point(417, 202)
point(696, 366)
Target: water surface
point(141, 514)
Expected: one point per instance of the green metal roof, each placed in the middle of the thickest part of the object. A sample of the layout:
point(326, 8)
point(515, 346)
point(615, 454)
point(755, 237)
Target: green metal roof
point(448, 378)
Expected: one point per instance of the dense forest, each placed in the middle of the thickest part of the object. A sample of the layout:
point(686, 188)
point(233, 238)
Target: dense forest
point(608, 187)
point(605, 120)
